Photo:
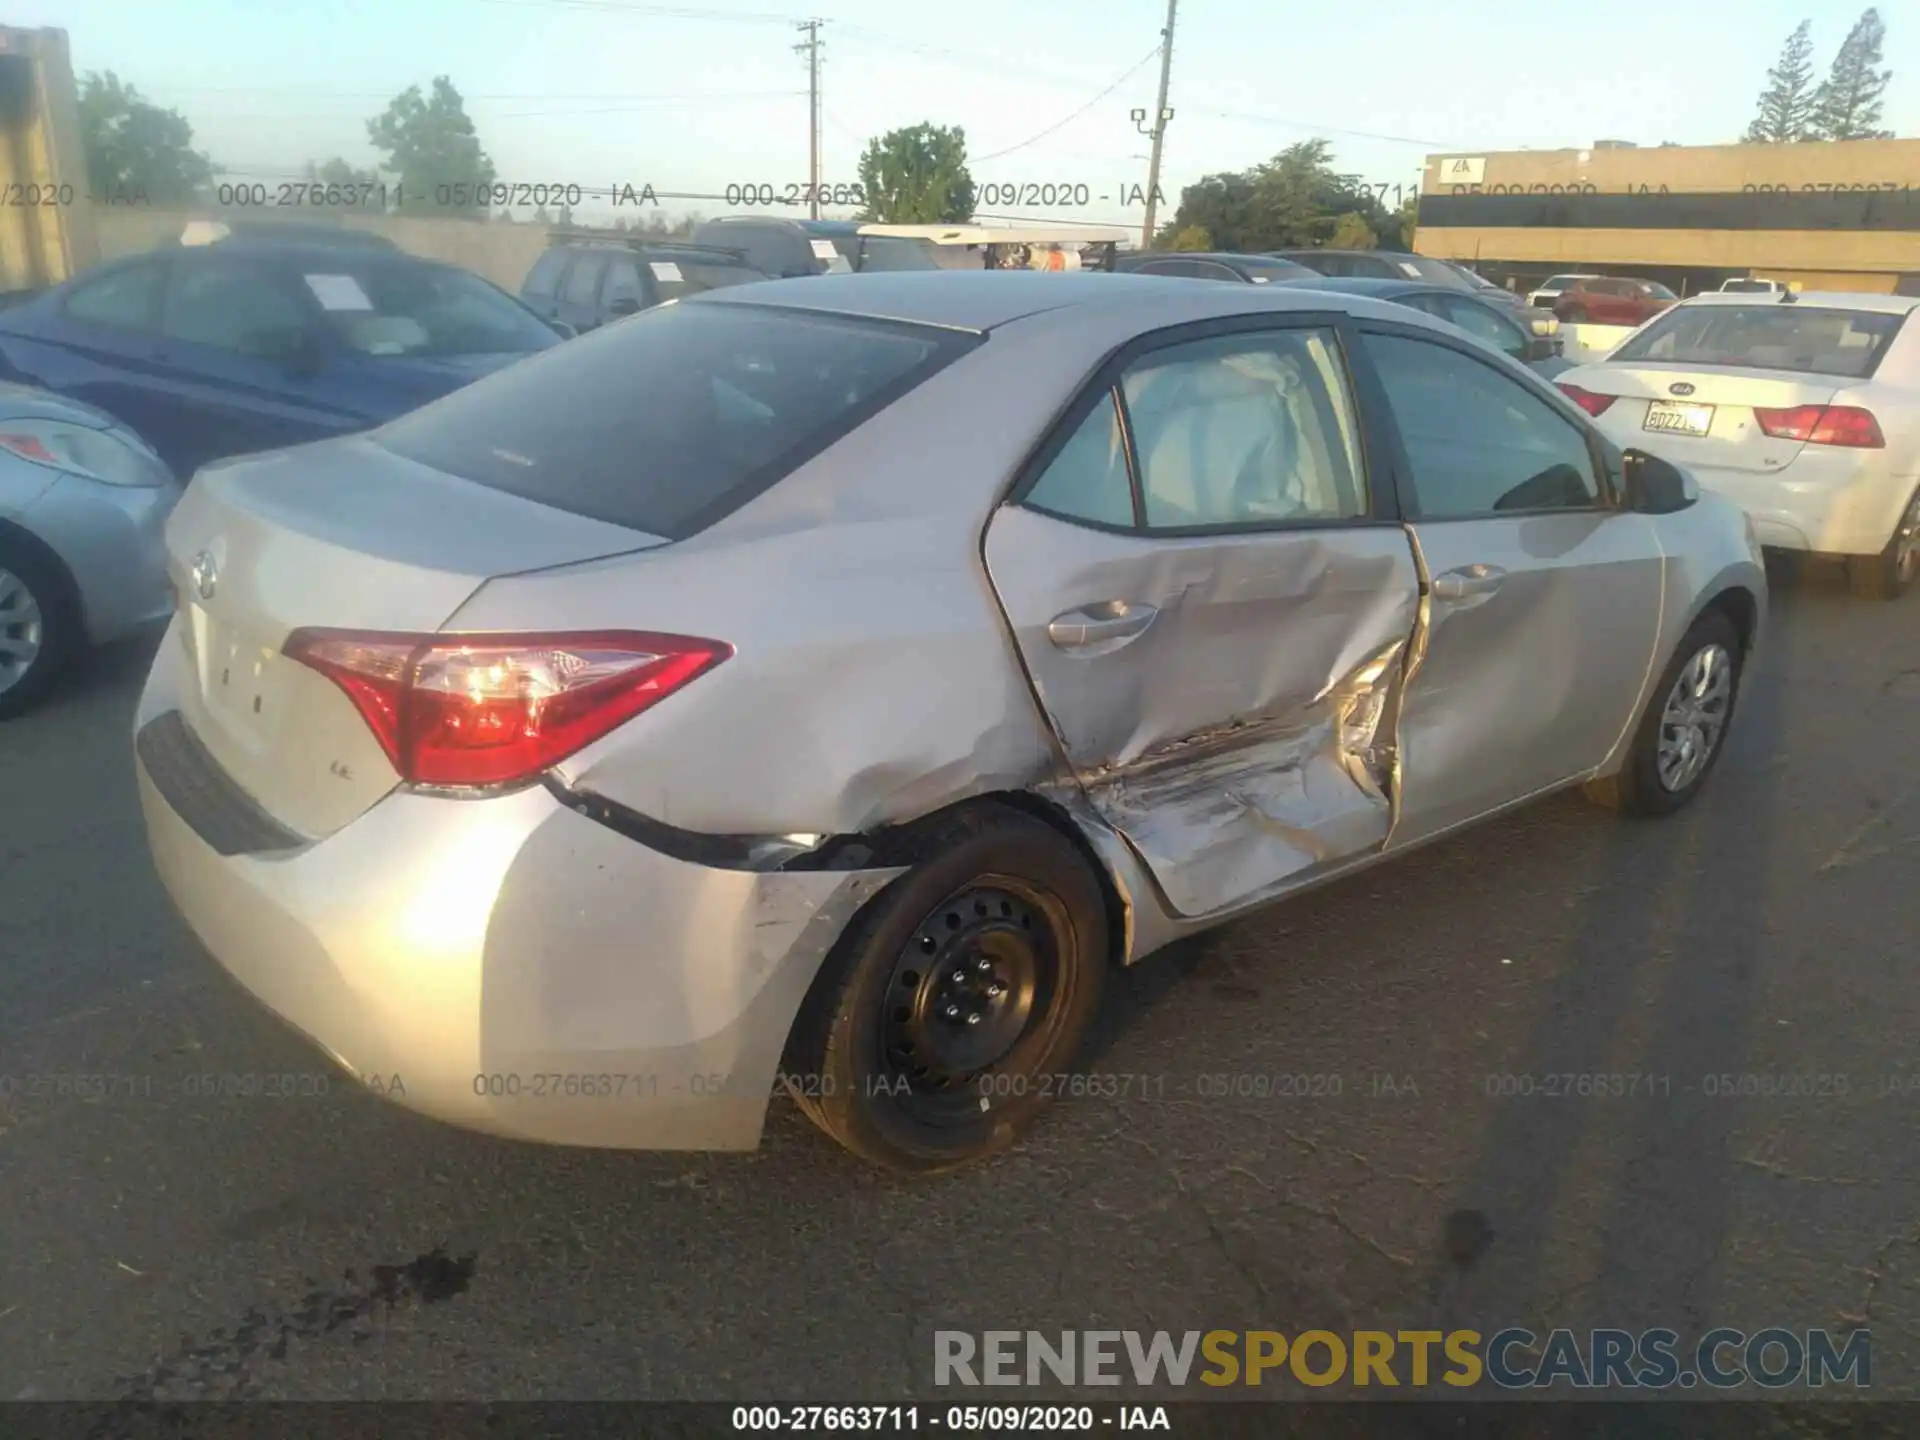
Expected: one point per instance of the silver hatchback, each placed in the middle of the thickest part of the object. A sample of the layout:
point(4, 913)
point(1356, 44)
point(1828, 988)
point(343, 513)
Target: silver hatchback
point(818, 685)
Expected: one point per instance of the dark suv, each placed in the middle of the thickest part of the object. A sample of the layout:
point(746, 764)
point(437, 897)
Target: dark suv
point(585, 283)
point(784, 248)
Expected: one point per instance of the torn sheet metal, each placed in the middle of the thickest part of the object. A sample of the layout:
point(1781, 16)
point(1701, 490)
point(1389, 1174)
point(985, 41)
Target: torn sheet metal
point(1226, 815)
point(1245, 736)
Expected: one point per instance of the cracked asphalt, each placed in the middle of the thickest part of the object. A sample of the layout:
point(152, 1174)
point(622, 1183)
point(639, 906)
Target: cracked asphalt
point(165, 1245)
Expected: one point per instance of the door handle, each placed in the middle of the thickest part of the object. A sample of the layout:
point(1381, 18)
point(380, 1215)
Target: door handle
point(1468, 581)
point(1105, 622)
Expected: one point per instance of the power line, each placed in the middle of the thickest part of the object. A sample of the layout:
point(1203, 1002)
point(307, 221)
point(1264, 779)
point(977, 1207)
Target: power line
point(658, 12)
point(1061, 125)
point(1322, 129)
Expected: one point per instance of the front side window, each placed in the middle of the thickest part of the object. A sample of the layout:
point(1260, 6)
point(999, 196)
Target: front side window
point(1479, 443)
point(232, 307)
point(543, 280)
point(1249, 429)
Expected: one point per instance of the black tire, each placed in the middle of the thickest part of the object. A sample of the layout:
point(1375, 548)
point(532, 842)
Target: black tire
point(1001, 890)
point(1891, 573)
point(58, 627)
point(1638, 789)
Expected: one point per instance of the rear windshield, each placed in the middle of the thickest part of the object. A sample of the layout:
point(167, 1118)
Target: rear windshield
point(698, 275)
point(384, 308)
point(1746, 285)
point(1804, 338)
point(1268, 269)
point(672, 418)
point(1564, 282)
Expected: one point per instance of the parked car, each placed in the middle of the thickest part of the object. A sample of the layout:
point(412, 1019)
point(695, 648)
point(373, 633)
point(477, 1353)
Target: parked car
point(215, 350)
point(584, 284)
point(1751, 285)
point(1612, 301)
point(1460, 308)
point(1803, 409)
point(1534, 319)
point(639, 725)
point(279, 232)
point(1243, 269)
point(82, 559)
point(1377, 265)
point(1543, 297)
point(784, 248)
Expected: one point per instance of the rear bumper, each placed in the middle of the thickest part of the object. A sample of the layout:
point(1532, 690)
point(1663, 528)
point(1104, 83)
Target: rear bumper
point(1826, 502)
point(111, 540)
point(509, 965)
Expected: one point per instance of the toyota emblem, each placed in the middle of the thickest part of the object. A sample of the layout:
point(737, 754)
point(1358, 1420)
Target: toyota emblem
point(1683, 388)
point(206, 575)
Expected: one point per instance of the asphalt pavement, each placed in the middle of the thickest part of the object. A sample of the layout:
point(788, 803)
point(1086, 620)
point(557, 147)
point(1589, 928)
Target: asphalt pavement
point(156, 1242)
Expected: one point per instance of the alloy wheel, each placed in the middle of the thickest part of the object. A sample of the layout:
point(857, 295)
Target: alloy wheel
point(22, 630)
point(1695, 717)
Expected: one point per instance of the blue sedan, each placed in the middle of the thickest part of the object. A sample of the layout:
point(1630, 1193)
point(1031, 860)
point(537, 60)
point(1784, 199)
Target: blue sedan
point(246, 345)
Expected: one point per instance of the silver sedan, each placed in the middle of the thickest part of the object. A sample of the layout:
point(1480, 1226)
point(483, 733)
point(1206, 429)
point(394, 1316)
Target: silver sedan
point(82, 559)
point(818, 685)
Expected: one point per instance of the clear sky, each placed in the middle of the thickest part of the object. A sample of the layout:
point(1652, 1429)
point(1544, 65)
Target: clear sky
point(695, 96)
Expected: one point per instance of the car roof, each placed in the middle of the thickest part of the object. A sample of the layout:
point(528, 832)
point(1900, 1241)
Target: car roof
point(804, 227)
point(317, 254)
point(1379, 285)
point(979, 300)
point(1818, 299)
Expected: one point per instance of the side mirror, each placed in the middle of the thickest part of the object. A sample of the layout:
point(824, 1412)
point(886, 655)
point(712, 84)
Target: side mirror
point(563, 329)
point(624, 305)
point(1655, 486)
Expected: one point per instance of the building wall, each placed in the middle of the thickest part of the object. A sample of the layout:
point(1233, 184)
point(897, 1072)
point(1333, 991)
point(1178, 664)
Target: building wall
point(1842, 216)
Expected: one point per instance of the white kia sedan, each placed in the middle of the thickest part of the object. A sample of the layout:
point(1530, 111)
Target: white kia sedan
point(1803, 409)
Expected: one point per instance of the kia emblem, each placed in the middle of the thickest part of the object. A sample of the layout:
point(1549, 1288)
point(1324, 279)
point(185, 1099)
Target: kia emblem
point(1683, 388)
point(206, 575)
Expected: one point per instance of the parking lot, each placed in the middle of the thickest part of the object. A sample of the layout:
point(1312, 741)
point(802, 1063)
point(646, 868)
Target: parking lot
point(163, 1243)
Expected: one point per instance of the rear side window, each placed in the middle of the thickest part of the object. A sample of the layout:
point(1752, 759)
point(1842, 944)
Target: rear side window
point(584, 283)
point(543, 281)
point(668, 421)
point(1810, 339)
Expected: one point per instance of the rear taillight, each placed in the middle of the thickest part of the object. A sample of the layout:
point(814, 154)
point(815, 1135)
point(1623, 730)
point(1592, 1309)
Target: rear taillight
point(1823, 425)
point(1588, 401)
point(470, 710)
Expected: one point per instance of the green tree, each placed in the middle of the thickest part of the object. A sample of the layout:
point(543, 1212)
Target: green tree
point(433, 151)
point(1351, 232)
point(135, 147)
point(1786, 104)
point(1848, 103)
point(917, 175)
point(1194, 237)
point(1296, 198)
point(338, 172)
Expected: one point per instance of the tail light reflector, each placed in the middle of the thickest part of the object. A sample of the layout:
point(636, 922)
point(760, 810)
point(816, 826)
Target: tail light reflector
point(1847, 425)
point(1588, 401)
point(483, 710)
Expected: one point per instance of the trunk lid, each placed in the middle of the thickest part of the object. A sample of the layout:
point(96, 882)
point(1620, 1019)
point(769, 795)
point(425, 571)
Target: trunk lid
point(345, 535)
point(1734, 439)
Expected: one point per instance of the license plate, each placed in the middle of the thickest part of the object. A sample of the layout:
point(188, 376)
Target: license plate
point(1676, 419)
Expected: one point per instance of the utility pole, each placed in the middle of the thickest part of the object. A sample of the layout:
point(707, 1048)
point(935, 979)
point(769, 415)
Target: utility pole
point(810, 47)
point(1161, 115)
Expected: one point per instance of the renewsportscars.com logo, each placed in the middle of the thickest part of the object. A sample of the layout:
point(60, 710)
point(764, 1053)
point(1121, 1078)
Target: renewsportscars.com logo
point(1512, 1359)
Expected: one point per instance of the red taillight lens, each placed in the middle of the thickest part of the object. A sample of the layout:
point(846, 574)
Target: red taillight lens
point(494, 709)
point(1823, 425)
point(1588, 401)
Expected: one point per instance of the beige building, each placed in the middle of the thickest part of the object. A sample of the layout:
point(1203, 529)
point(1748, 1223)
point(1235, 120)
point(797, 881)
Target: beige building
point(1839, 216)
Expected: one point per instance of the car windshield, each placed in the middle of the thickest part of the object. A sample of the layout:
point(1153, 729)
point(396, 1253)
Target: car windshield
point(1746, 285)
point(421, 310)
point(1659, 291)
point(668, 420)
point(1803, 338)
point(1564, 282)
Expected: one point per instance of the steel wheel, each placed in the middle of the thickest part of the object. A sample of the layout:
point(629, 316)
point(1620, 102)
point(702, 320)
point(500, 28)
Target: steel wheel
point(964, 992)
point(22, 630)
point(1694, 718)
